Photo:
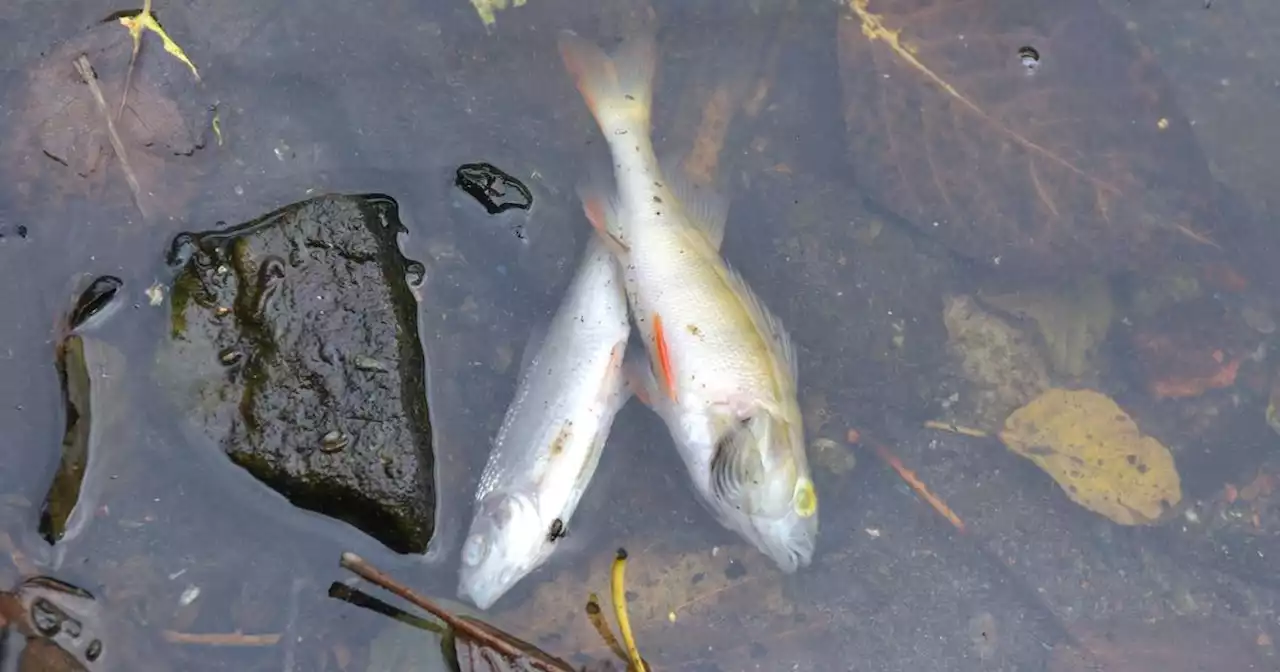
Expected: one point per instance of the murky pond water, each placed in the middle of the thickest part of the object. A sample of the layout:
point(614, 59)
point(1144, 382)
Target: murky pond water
point(954, 208)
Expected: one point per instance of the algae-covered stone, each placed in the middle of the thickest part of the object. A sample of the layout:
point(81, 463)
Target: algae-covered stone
point(294, 346)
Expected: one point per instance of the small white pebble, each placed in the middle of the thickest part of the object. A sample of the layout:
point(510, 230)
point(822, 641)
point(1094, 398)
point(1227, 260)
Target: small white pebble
point(189, 595)
point(155, 294)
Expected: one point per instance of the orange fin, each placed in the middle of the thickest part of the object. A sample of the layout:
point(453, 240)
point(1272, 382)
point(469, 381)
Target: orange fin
point(664, 358)
point(601, 214)
point(617, 88)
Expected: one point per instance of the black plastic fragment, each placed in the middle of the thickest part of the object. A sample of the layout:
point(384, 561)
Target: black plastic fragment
point(494, 189)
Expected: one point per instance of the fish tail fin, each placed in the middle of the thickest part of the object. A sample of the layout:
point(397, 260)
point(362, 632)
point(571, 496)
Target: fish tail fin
point(618, 89)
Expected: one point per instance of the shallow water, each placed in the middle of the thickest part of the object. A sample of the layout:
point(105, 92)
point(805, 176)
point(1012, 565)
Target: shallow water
point(346, 97)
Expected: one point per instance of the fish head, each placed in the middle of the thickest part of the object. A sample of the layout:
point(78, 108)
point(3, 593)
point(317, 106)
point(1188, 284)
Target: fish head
point(507, 540)
point(763, 489)
point(789, 540)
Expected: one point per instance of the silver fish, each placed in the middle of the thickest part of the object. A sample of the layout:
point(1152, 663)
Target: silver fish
point(552, 435)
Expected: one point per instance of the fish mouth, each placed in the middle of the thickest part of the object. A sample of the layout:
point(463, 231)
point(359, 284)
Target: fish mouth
point(484, 588)
point(789, 541)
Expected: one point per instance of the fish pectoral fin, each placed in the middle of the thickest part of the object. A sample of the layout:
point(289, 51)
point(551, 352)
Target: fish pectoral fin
point(736, 464)
point(639, 376)
point(602, 212)
point(662, 352)
point(703, 205)
point(616, 375)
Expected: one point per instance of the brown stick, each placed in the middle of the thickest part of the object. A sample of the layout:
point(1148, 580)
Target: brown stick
point(221, 638)
point(86, 72)
point(466, 628)
point(918, 485)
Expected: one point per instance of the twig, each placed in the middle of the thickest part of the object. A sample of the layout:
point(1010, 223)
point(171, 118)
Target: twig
point(90, 78)
point(917, 485)
point(359, 598)
point(956, 429)
point(136, 34)
point(468, 629)
point(596, 617)
point(221, 638)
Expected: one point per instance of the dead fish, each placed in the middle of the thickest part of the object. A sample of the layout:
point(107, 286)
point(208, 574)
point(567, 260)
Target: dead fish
point(552, 435)
point(722, 370)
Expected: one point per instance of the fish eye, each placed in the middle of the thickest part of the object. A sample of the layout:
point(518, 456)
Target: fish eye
point(475, 550)
point(806, 498)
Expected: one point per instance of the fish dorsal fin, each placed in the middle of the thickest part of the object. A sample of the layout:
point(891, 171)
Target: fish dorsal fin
point(736, 467)
point(704, 205)
point(770, 327)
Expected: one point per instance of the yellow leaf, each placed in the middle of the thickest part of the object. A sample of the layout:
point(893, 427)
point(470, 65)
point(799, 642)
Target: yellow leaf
point(147, 21)
point(488, 9)
point(1094, 450)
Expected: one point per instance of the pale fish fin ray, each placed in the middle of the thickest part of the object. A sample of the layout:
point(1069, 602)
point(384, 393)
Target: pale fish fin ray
point(703, 205)
point(770, 327)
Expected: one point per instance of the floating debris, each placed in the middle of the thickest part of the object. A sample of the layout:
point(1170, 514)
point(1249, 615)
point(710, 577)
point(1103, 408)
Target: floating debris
point(488, 9)
point(494, 189)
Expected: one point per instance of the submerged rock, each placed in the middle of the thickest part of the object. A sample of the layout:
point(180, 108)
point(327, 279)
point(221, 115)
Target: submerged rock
point(59, 626)
point(294, 347)
point(90, 373)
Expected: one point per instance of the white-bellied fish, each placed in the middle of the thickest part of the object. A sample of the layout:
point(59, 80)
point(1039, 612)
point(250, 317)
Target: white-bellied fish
point(549, 444)
point(722, 368)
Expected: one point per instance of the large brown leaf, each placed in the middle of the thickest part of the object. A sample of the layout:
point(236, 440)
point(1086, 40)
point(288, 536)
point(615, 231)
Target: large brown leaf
point(1066, 155)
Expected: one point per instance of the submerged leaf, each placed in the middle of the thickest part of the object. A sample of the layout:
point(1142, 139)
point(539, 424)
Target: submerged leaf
point(1073, 320)
point(145, 21)
point(1095, 451)
point(488, 9)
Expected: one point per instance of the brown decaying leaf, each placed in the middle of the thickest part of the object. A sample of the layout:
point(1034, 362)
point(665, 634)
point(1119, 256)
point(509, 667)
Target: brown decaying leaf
point(1191, 348)
point(1023, 133)
point(64, 139)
